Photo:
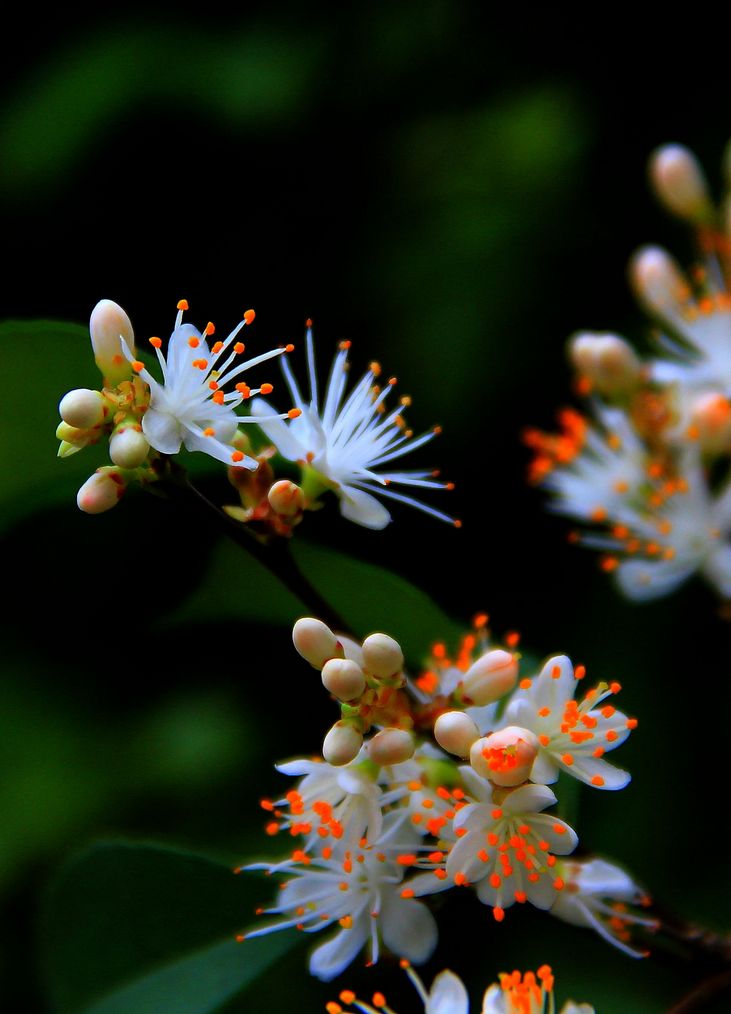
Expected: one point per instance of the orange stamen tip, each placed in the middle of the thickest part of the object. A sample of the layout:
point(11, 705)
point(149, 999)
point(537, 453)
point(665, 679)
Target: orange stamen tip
point(267, 388)
point(183, 304)
point(194, 342)
point(347, 996)
point(344, 346)
point(218, 397)
point(237, 456)
point(210, 327)
point(597, 780)
point(240, 937)
point(379, 1000)
point(480, 620)
point(249, 316)
point(437, 430)
point(217, 348)
point(308, 322)
point(156, 342)
point(457, 523)
point(210, 432)
point(239, 348)
point(498, 914)
point(294, 413)
point(137, 366)
point(289, 348)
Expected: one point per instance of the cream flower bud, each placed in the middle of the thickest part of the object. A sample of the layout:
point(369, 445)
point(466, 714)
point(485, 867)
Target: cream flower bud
point(391, 746)
point(607, 360)
point(382, 656)
point(82, 408)
point(343, 678)
point(680, 183)
point(711, 420)
point(342, 744)
point(128, 447)
point(286, 498)
point(492, 676)
point(315, 642)
point(505, 757)
point(660, 284)
point(455, 732)
point(102, 491)
point(108, 325)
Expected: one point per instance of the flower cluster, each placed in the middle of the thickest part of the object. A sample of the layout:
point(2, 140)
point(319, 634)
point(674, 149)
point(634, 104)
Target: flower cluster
point(341, 446)
point(648, 468)
point(143, 418)
point(442, 781)
point(515, 993)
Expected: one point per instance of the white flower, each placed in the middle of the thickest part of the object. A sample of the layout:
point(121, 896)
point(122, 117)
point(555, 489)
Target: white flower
point(573, 736)
point(527, 994)
point(338, 802)
point(597, 896)
point(190, 406)
point(446, 996)
point(359, 889)
point(506, 850)
point(347, 440)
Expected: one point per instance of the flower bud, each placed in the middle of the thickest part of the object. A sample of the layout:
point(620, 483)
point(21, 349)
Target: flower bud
point(455, 732)
point(315, 642)
point(102, 491)
point(505, 757)
point(382, 656)
point(72, 435)
point(128, 447)
point(680, 183)
point(491, 677)
point(82, 408)
point(711, 420)
point(659, 283)
point(108, 325)
point(286, 498)
point(391, 746)
point(342, 744)
point(609, 362)
point(343, 678)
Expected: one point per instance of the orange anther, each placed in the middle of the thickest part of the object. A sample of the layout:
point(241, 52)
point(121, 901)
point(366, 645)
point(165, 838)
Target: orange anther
point(498, 913)
point(137, 366)
point(525, 684)
point(579, 672)
point(407, 893)
point(237, 456)
point(267, 388)
point(249, 316)
point(217, 348)
point(193, 342)
point(156, 342)
point(218, 397)
point(210, 328)
point(239, 348)
point(597, 780)
point(289, 348)
point(210, 432)
point(183, 304)
point(294, 413)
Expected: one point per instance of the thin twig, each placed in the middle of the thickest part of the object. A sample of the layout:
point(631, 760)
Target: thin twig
point(703, 994)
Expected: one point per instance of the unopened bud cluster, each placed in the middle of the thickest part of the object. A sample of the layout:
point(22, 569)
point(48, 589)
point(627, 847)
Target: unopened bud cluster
point(648, 465)
point(113, 413)
point(369, 690)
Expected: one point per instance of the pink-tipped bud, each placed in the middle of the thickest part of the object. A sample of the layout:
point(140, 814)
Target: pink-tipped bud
point(102, 491)
point(342, 744)
point(382, 656)
point(659, 283)
point(455, 732)
point(128, 447)
point(286, 498)
point(711, 422)
point(343, 678)
point(505, 757)
point(680, 183)
point(108, 325)
point(82, 408)
point(315, 642)
point(391, 746)
point(607, 360)
point(491, 677)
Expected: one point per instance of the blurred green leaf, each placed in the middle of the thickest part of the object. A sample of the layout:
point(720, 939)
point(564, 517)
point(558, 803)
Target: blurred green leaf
point(47, 358)
point(135, 928)
point(368, 597)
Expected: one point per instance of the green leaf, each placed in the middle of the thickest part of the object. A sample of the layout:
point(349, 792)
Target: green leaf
point(47, 358)
point(137, 928)
point(368, 597)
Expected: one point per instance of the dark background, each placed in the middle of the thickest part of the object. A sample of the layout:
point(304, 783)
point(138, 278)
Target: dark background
point(456, 194)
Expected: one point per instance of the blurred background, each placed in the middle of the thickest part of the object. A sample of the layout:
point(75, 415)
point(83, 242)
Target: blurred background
point(456, 194)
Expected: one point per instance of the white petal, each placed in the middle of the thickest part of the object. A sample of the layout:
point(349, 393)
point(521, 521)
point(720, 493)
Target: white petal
point(529, 799)
point(597, 876)
point(587, 768)
point(277, 431)
point(408, 927)
point(332, 957)
point(364, 509)
point(718, 570)
point(544, 770)
point(447, 995)
point(643, 580)
point(163, 431)
point(494, 1000)
point(215, 448)
point(300, 766)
